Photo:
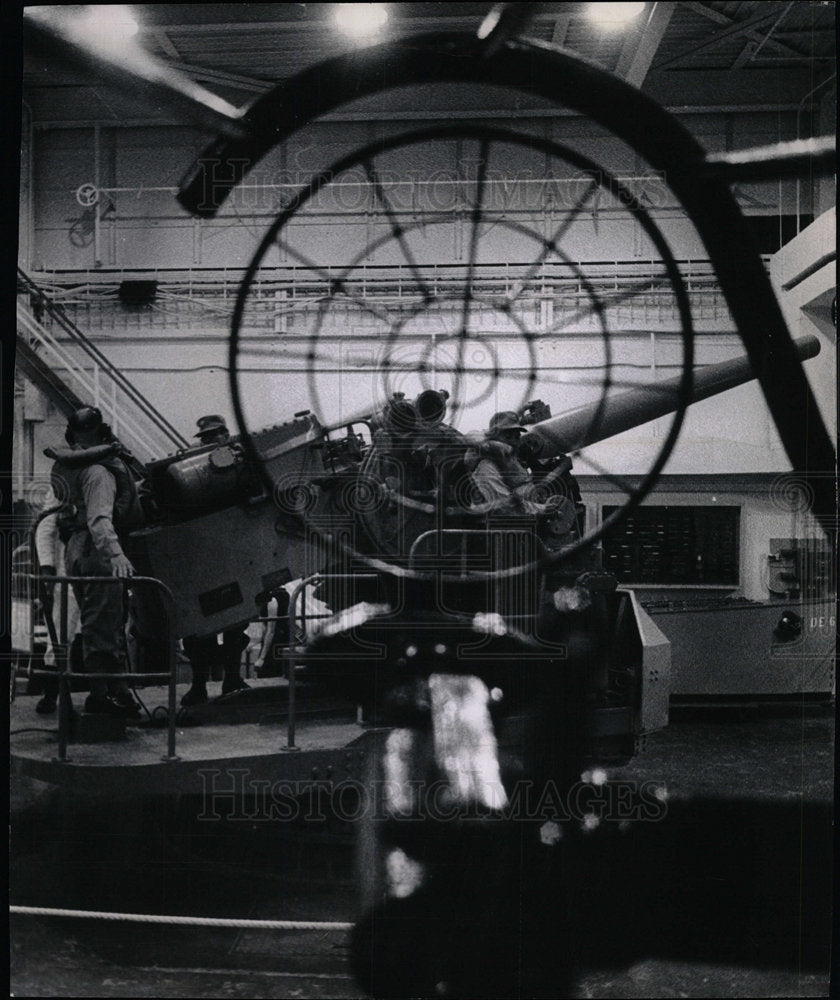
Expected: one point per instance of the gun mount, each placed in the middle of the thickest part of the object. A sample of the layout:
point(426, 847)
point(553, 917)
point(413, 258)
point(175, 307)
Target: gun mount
point(221, 539)
point(234, 535)
point(217, 538)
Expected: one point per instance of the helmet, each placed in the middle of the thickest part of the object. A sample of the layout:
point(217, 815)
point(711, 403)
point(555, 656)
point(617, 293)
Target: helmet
point(507, 420)
point(210, 424)
point(86, 418)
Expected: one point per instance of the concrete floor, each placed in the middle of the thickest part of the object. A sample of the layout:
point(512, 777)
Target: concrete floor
point(727, 893)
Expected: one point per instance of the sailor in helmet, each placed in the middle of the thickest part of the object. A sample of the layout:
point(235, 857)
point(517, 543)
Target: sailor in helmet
point(102, 506)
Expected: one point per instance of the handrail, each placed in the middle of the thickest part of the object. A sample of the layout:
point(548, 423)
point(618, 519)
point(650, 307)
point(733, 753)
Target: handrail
point(87, 384)
point(293, 648)
point(66, 674)
point(462, 532)
point(57, 313)
point(173, 436)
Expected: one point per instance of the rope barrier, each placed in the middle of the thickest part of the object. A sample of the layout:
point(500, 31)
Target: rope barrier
point(150, 918)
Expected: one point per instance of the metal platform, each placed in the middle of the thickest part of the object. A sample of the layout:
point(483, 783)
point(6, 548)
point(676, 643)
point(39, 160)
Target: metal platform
point(245, 733)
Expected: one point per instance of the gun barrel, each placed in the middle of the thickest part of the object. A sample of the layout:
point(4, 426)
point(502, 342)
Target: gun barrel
point(586, 425)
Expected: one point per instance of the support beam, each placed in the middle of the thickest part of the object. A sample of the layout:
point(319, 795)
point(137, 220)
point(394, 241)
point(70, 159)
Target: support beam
point(735, 28)
point(704, 10)
point(641, 45)
point(204, 75)
point(165, 43)
point(561, 26)
point(746, 54)
point(767, 38)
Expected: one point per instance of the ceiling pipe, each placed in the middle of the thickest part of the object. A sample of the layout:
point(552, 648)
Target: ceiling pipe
point(800, 108)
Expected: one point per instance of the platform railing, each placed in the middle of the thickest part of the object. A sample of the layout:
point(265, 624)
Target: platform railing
point(298, 620)
point(66, 675)
point(499, 565)
point(297, 632)
point(63, 672)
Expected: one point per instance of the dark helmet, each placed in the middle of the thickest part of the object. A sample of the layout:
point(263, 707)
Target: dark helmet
point(505, 421)
point(86, 418)
point(210, 424)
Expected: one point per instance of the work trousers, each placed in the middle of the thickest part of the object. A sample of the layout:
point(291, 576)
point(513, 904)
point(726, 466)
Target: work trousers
point(101, 614)
point(204, 653)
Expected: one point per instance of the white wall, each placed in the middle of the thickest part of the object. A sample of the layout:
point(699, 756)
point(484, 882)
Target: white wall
point(137, 171)
point(177, 354)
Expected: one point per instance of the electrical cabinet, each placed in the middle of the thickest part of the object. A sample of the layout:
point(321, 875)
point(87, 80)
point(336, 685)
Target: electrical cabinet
point(677, 545)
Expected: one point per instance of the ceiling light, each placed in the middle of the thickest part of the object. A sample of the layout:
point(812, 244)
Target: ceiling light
point(360, 20)
point(614, 14)
point(109, 24)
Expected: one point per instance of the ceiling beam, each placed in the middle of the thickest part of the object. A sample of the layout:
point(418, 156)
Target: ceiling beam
point(747, 52)
point(754, 36)
point(319, 23)
point(735, 28)
point(641, 45)
point(234, 80)
point(561, 26)
point(762, 87)
point(152, 119)
point(165, 43)
point(767, 38)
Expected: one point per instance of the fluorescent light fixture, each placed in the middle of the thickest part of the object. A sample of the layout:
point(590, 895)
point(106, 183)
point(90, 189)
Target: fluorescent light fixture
point(360, 20)
point(614, 14)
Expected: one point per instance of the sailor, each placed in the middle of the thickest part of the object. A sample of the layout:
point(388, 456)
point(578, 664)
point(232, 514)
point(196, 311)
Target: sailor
point(501, 479)
point(553, 474)
point(211, 652)
point(102, 507)
point(507, 490)
point(212, 429)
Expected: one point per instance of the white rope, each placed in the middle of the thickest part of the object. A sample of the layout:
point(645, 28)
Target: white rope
point(267, 973)
point(151, 918)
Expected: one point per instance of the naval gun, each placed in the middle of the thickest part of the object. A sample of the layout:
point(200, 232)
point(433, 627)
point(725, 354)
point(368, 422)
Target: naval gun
point(586, 425)
point(228, 524)
point(224, 532)
point(494, 740)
